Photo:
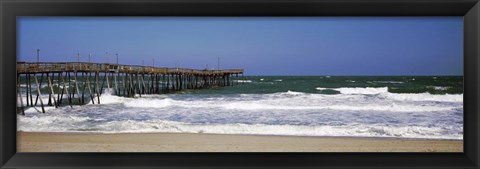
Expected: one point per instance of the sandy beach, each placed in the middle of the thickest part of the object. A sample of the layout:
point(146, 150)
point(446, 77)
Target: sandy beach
point(175, 142)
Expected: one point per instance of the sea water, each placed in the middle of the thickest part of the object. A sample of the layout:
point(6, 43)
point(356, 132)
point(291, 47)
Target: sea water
point(387, 106)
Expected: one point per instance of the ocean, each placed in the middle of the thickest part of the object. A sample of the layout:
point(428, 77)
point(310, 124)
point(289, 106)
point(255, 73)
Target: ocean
point(352, 106)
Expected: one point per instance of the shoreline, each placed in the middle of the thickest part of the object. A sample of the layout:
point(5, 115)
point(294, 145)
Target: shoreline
point(195, 142)
point(266, 135)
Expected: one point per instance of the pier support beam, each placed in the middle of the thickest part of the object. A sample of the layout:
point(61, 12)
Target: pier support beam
point(39, 94)
point(19, 92)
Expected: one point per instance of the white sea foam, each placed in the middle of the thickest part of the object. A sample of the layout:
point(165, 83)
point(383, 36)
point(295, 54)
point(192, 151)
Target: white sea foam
point(108, 97)
point(358, 90)
point(293, 93)
point(129, 126)
point(292, 100)
point(365, 112)
point(361, 90)
point(243, 81)
point(34, 86)
point(38, 109)
point(383, 91)
point(278, 80)
point(286, 103)
point(426, 97)
point(150, 103)
point(438, 87)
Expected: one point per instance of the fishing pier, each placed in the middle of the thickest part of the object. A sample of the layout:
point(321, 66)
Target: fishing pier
point(77, 81)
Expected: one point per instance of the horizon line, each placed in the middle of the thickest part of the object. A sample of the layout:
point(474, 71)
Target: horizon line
point(352, 75)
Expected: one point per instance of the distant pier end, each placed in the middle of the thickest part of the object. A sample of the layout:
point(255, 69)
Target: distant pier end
point(74, 81)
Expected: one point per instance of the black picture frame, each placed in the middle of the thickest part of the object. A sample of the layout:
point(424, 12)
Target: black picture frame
point(11, 9)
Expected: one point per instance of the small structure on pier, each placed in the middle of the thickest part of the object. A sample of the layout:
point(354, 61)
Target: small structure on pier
point(74, 79)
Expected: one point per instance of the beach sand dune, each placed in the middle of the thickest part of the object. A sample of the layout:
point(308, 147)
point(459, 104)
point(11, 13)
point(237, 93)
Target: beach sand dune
point(175, 142)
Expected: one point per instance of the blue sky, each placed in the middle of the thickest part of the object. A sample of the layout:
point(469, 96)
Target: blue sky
point(260, 45)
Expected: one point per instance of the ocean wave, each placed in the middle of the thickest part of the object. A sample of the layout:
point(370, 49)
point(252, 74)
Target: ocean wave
point(292, 130)
point(38, 122)
point(38, 109)
point(153, 103)
point(131, 126)
point(283, 113)
point(108, 97)
point(361, 90)
point(441, 88)
point(44, 98)
point(383, 91)
point(259, 106)
point(292, 93)
point(291, 100)
point(425, 97)
point(362, 112)
point(358, 90)
point(391, 82)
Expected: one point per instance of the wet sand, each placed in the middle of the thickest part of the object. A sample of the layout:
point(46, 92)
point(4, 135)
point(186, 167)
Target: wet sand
point(176, 142)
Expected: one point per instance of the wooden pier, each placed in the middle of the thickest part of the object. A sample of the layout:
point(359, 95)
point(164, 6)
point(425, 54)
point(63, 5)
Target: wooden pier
point(76, 81)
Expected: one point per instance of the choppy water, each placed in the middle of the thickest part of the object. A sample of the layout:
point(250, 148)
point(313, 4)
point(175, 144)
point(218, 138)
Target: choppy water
point(407, 107)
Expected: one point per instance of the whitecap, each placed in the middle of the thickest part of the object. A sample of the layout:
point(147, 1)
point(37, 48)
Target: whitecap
point(243, 81)
point(443, 88)
point(362, 90)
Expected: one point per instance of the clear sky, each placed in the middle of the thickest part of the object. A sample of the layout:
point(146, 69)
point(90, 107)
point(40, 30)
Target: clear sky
point(260, 45)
